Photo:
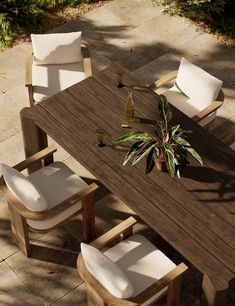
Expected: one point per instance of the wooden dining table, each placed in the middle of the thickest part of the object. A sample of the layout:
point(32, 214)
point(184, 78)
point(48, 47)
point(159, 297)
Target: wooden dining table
point(195, 214)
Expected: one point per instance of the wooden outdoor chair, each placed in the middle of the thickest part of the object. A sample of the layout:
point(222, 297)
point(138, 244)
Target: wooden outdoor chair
point(46, 199)
point(56, 62)
point(195, 92)
point(133, 272)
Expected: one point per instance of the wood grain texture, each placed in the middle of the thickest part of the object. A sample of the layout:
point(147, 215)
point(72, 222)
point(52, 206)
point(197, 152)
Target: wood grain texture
point(195, 214)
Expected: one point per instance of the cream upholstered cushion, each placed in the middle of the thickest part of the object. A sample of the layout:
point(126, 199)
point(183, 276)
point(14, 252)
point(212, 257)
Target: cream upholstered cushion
point(186, 105)
point(106, 272)
point(232, 146)
point(57, 183)
point(48, 80)
point(142, 262)
point(56, 48)
point(201, 87)
point(24, 190)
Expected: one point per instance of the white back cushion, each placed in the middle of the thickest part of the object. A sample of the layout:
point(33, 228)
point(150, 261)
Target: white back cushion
point(106, 272)
point(23, 189)
point(201, 87)
point(59, 48)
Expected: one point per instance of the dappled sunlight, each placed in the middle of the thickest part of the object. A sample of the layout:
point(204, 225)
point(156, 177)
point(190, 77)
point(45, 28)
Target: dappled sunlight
point(150, 45)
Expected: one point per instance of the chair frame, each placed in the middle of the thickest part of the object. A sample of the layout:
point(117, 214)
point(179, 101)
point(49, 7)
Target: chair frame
point(19, 212)
point(99, 296)
point(28, 69)
point(202, 114)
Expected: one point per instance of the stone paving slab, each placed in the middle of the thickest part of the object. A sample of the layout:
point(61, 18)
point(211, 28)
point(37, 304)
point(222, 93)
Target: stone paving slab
point(77, 297)
point(51, 272)
point(124, 12)
point(19, 95)
point(158, 68)
point(9, 118)
point(207, 51)
point(12, 67)
point(7, 244)
point(13, 291)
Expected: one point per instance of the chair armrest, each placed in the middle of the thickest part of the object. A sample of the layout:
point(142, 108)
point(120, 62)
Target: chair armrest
point(34, 215)
point(28, 68)
point(79, 196)
point(207, 111)
point(28, 76)
point(12, 200)
point(164, 80)
point(86, 60)
point(94, 283)
point(114, 233)
point(35, 158)
point(161, 283)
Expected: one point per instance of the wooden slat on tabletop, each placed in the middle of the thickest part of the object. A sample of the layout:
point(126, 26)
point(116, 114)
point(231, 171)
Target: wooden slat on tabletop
point(163, 224)
point(103, 111)
point(107, 78)
point(108, 75)
point(99, 91)
point(65, 113)
point(202, 231)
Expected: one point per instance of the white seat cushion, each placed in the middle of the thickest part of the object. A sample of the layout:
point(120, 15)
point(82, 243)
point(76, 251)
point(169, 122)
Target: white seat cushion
point(106, 272)
point(186, 105)
point(25, 191)
point(56, 182)
point(142, 262)
point(232, 146)
point(48, 80)
point(57, 48)
point(201, 87)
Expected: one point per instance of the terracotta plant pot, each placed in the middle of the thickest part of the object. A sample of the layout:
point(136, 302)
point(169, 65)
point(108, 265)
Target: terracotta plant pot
point(161, 165)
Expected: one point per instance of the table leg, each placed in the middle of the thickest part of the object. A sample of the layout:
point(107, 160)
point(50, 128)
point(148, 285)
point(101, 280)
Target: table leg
point(213, 296)
point(34, 138)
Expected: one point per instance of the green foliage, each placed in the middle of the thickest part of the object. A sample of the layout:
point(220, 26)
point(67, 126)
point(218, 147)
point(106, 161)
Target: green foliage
point(168, 144)
point(218, 14)
point(21, 15)
point(16, 15)
point(50, 5)
point(198, 9)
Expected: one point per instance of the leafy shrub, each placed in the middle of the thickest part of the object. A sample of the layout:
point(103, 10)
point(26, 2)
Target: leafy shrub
point(50, 5)
point(199, 9)
point(16, 15)
point(20, 15)
point(219, 14)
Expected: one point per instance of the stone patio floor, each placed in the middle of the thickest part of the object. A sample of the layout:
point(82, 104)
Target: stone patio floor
point(150, 44)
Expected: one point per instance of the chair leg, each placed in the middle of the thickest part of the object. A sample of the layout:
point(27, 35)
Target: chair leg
point(173, 296)
point(19, 230)
point(93, 299)
point(88, 215)
point(213, 296)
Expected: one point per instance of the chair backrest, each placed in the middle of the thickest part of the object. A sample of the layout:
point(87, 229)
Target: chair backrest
point(23, 189)
point(107, 285)
point(107, 272)
point(201, 87)
point(56, 48)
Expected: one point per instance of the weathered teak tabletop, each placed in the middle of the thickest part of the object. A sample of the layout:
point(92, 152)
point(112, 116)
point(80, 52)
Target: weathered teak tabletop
point(195, 214)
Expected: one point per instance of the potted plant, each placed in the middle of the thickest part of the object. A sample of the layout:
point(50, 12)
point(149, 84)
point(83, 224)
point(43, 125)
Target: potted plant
point(167, 149)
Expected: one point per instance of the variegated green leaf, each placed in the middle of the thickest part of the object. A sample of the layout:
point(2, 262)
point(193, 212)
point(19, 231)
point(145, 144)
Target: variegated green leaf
point(164, 108)
point(134, 136)
point(170, 159)
point(133, 150)
point(151, 160)
point(195, 155)
point(144, 151)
